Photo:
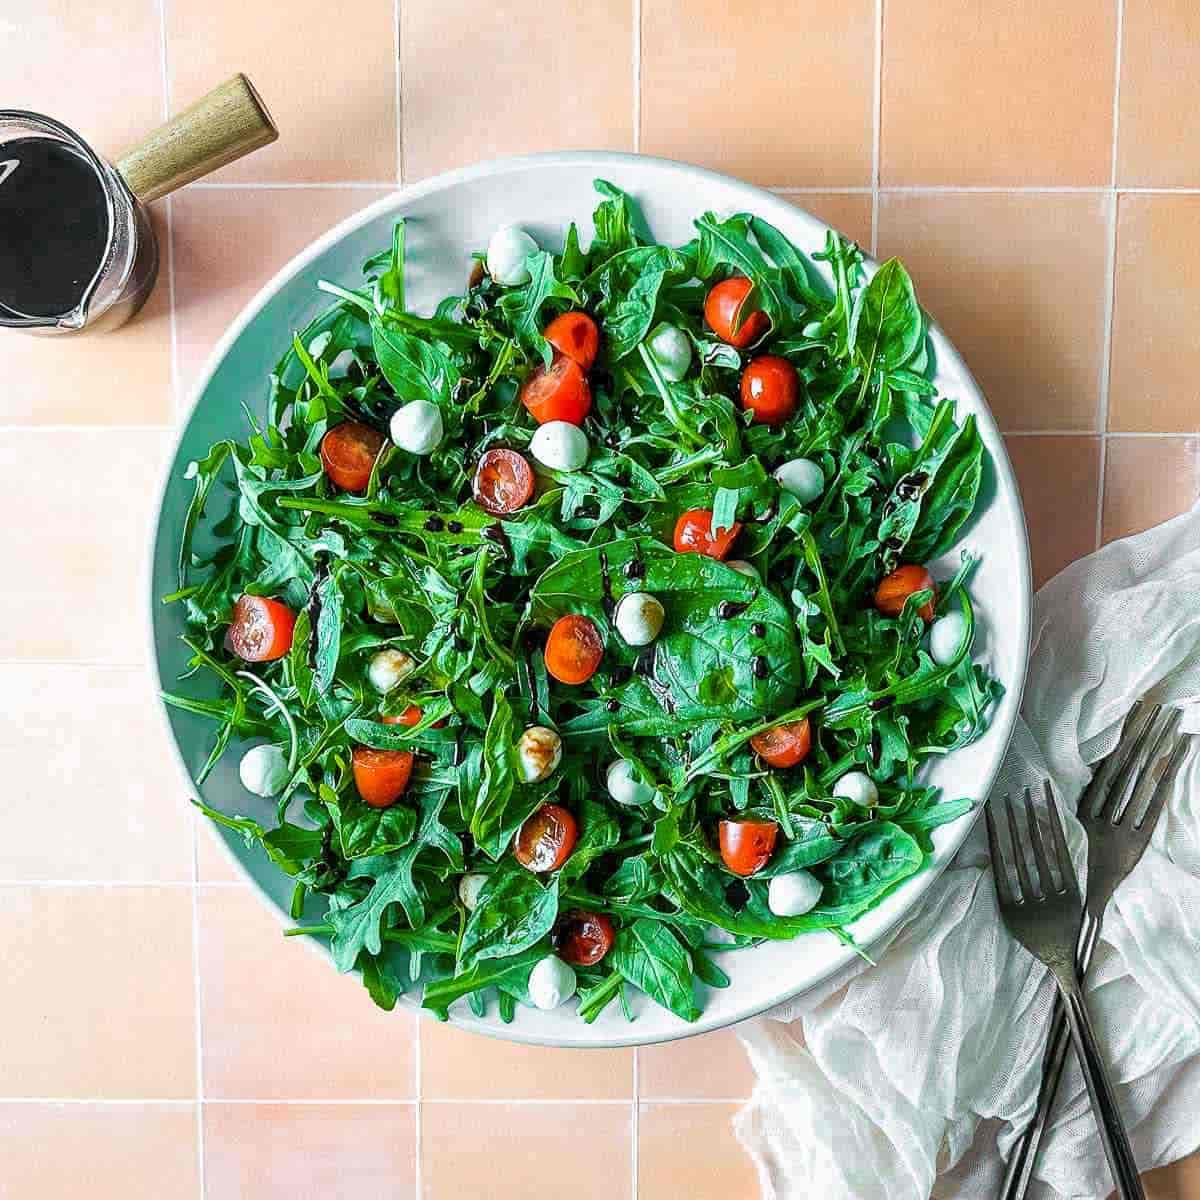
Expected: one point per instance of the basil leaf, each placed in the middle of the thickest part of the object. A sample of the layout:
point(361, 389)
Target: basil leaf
point(650, 957)
point(513, 912)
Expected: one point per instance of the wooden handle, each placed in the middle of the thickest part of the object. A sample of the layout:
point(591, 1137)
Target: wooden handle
point(219, 128)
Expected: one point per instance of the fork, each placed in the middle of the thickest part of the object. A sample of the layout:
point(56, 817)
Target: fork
point(1117, 836)
point(1046, 918)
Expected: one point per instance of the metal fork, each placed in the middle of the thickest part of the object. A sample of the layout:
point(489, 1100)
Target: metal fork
point(1119, 822)
point(1046, 918)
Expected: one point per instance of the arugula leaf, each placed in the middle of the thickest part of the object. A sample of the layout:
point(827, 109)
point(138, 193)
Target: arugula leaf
point(650, 957)
point(513, 912)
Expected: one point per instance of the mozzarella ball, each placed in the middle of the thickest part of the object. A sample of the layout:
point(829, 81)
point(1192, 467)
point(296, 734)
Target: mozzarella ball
point(469, 887)
point(671, 350)
point(802, 478)
point(742, 567)
point(551, 982)
point(388, 669)
point(793, 894)
point(263, 770)
point(639, 618)
point(560, 446)
point(539, 752)
point(506, 254)
point(857, 787)
point(624, 786)
point(417, 427)
point(945, 637)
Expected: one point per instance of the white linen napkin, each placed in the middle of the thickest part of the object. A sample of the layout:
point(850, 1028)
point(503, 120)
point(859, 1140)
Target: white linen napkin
point(911, 1079)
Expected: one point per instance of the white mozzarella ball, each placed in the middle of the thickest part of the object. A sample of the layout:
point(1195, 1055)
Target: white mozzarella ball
point(793, 894)
point(417, 427)
point(639, 618)
point(857, 787)
point(742, 567)
point(388, 669)
point(624, 786)
point(671, 350)
point(263, 770)
point(539, 752)
point(469, 887)
point(945, 637)
point(802, 478)
point(506, 254)
point(551, 983)
point(560, 446)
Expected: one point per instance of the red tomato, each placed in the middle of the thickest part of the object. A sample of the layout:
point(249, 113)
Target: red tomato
point(694, 534)
point(895, 589)
point(503, 482)
point(783, 745)
point(261, 630)
point(558, 392)
point(723, 312)
point(746, 846)
point(348, 452)
point(381, 775)
point(410, 717)
point(770, 389)
point(546, 839)
point(574, 649)
point(575, 335)
point(583, 938)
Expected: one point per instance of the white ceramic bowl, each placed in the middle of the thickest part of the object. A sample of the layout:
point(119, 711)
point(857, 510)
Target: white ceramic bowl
point(450, 216)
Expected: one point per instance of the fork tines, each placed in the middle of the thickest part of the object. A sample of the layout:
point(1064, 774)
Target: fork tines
point(1055, 875)
point(1127, 783)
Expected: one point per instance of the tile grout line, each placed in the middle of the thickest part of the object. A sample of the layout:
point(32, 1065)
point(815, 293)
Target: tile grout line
point(635, 1125)
point(876, 127)
point(418, 1123)
point(372, 1101)
point(637, 76)
point(169, 221)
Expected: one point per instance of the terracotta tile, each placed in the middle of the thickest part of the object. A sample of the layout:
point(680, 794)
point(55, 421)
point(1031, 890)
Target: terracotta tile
point(250, 974)
point(847, 212)
point(1148, 481)
point(713, 1167)
point(1060, 486)
point(985, 267)
point(56, 741)
point(212, 860)
point(978, 93)
point(86, 500)
point(710, 1067)
point(1160, 66)
point(97, 992)
point(1156, 309)
point(228, 243)
point(329, 85)
point(468, 1150)
point(726, 93)
point(457, 1065)
point(480, 81)
point(296, 1151)
point(48, 1149)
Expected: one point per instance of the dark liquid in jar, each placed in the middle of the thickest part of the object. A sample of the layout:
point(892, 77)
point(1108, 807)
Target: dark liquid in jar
point(54, 226)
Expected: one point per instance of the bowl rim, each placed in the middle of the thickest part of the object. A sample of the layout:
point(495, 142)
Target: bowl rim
point(1008, 489)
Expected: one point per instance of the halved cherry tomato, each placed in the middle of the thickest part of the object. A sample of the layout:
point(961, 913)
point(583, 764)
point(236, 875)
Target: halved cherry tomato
point(574, 649)
point(503, 482)
point(746, 846)
point(783, 745)
point(410, 717)
point(895, 589)
point(348, 452)
point(694, 534)
point(261, 630)
point(723, 311)
point(546, 839)
point(583, 938)
point(381, 775)
point(575, 335)
point(558, 392)
point(770, 388)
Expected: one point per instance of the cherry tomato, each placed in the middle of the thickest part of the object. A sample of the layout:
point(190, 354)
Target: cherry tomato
point(746, 846)
point(574, 649)
point(583, 938)
point(694, 534)
point(348, 452)
point(895, 589)
point(546, 839)
point(503, 482)
point(769, 389)
point(723, 312)
point(575, 335)
point(261, 630)
point(783, 745)
point(558, 392)
point(381, 775)
point(410, 717)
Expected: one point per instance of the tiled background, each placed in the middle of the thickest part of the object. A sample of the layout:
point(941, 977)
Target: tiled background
point(1038, 166)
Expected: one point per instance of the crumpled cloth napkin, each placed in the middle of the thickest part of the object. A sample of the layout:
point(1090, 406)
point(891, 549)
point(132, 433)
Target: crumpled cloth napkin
point(912, 1078)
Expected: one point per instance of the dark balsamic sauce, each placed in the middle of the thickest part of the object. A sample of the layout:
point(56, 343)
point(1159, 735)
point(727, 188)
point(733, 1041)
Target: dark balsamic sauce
point(386, 519)
point(435, 524)
point(758, 629)
point(454, 527)
point(760, 666)
point(634, 569)
point(497, 537)
point(731, 608)
point(530, 645)
point(645, 666)
point(314, 608)
point(606, 586)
